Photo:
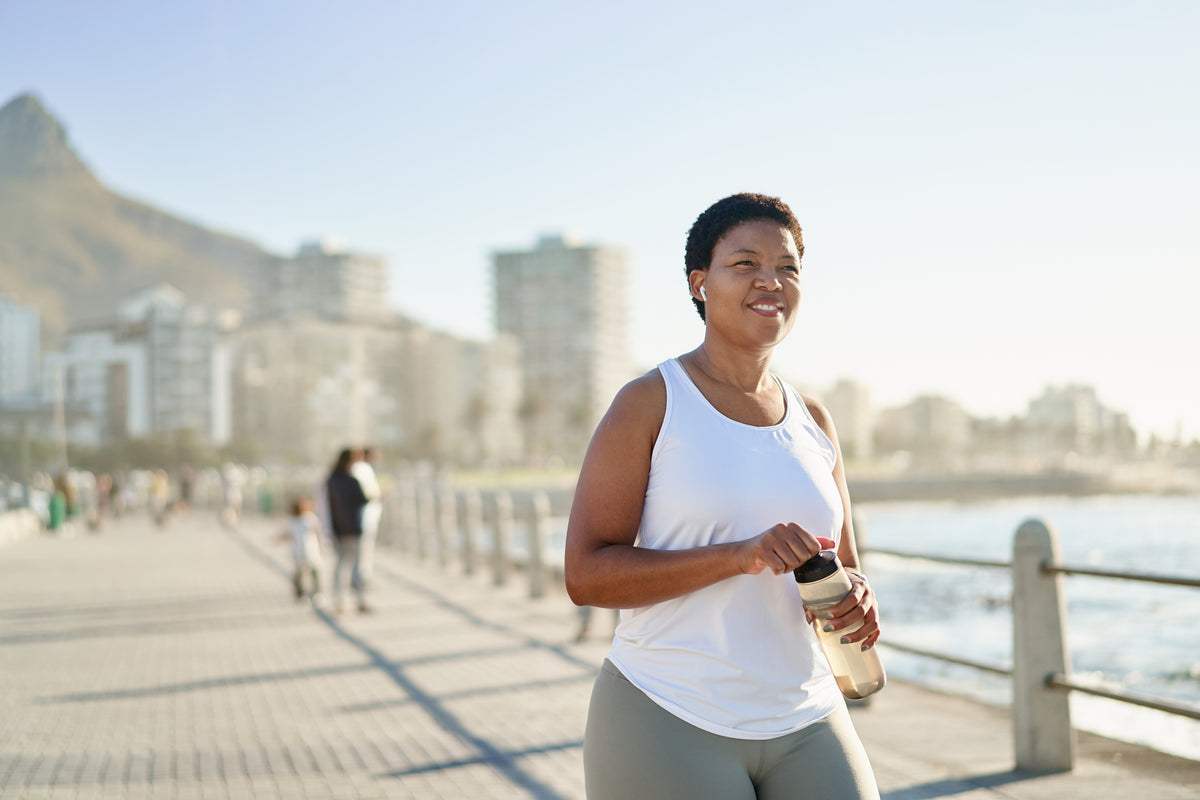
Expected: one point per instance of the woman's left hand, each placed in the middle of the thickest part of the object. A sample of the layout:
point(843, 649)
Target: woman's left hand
point(858, 605)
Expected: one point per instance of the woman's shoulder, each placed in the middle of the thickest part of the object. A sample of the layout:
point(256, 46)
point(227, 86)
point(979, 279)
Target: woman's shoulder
point(641, 403)
point(823, 419)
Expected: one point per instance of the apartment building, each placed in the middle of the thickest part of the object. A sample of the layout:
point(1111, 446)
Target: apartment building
point(567, 305)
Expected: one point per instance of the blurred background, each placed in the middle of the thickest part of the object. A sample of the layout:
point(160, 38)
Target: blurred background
point(258, 232)
point(237, 237)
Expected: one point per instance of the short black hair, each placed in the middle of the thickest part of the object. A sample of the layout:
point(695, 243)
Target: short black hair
point(726, 214)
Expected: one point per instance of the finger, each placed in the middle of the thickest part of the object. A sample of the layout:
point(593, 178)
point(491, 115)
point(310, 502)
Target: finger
point(801, 545)
point(809, 544)
point(856, 599)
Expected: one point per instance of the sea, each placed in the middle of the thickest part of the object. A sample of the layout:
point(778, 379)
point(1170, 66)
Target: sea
point(1134, 637)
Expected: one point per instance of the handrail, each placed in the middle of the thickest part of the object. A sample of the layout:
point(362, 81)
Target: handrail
point(1048, 568)
point(1060, 681)
point(1040, 669)
point(966, 662)
point(968, 562)
point(1054, 680)
point(1145, 577)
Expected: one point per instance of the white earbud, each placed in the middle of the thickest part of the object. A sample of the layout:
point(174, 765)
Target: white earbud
point(703, 294)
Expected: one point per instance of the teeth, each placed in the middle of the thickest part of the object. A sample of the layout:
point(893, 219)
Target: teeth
point(765, 307)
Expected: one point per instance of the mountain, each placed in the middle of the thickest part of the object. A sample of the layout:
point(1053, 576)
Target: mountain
point(74, 249)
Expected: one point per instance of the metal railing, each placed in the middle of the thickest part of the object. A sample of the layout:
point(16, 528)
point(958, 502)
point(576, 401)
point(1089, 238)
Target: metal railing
point(438, 521)
point(1041, 665)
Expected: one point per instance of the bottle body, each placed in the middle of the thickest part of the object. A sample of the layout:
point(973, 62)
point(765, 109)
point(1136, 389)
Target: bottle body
point(859, 673)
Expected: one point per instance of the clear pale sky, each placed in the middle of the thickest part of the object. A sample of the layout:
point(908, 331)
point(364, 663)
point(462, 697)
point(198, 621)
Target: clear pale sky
point(995, 196)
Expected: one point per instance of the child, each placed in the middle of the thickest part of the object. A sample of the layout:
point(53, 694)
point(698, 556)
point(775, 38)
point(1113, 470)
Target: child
point(304, 531)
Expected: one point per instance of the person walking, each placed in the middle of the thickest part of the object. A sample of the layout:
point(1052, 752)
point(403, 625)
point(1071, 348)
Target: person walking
point(303, 531)
point(706, 483)
point(345, 501)
point(363, 470)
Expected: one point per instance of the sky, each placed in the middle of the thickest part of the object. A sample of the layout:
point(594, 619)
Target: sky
point(995, 196)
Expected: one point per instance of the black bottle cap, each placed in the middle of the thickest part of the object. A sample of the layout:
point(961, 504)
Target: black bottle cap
point(822, 565)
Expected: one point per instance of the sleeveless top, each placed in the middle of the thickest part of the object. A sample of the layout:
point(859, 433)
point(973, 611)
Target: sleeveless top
point(736, 658)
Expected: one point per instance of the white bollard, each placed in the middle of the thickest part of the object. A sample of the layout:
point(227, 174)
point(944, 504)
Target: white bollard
point(472, 523)
point(1043, 738)
point(502, 525)
point(426, 519)
point(539, 524)
point(447, 527)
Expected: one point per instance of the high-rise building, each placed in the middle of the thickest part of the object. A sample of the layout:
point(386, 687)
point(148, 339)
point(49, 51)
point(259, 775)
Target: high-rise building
point(567, 305)
point(19, 342)
point(322, 281)
point(156, 368)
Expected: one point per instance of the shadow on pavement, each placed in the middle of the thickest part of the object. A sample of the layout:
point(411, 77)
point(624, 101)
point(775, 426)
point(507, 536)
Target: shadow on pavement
point(196, 686)
point(468, 762)
point(956, 786)
point(489, 753)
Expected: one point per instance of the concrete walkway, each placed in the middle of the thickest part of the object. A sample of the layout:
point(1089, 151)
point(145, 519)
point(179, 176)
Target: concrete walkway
point(148, 663)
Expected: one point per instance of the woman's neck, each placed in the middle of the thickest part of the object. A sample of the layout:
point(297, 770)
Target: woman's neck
point(745, 372)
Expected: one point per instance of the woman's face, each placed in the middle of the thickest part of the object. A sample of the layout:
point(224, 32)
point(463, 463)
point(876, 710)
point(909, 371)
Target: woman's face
point(752, 284)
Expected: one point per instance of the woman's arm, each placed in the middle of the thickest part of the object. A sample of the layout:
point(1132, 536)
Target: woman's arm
point(603, 567)
point(860, 603)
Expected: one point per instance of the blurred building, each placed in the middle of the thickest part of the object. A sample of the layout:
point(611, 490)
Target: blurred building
point(849, 403)
point(1072, 419)
point(19, 345)
point(305, 388)
point(322, 281)
point(934, 430)
point(158, 367)
point(462, 397)
point(567, 305)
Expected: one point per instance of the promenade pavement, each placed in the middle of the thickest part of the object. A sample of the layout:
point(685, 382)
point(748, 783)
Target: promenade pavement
point(173, 663)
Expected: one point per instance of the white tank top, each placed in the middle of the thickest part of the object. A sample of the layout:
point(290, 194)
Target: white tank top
point(736, 658)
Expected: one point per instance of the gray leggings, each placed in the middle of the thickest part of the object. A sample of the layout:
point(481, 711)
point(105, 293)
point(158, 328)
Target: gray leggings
point(633, 748)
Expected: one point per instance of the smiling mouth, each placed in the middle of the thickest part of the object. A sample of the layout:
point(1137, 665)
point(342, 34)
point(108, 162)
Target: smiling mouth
point(769, 308)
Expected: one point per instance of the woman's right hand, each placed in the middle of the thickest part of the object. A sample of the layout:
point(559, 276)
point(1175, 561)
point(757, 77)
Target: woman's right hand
point(781, 549)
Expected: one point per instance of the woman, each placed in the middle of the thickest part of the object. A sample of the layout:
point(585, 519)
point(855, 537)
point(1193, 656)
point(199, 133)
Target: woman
point(346, 499)
point(705, 484)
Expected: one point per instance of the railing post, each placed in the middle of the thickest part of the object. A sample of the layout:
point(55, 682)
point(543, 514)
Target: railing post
point(1043, 738)
point(426, 519)
point(472, 522)
point(447, 524)
point(539, 520)
point(404, 519)
point(502, 525)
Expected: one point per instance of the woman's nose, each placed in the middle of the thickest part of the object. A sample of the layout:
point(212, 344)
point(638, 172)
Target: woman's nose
point(767, 279)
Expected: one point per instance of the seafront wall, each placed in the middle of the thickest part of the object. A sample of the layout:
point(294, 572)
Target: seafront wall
point(978, 486)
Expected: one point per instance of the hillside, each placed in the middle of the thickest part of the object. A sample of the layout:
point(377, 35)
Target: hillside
point(74, 249)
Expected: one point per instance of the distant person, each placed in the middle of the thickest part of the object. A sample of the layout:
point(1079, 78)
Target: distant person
point(160, 497)
point(304, 532)
point(187, 485)
point(345, 498)
point(363, 470)
point(105, 495)
point(707, 482)
point(231, 496)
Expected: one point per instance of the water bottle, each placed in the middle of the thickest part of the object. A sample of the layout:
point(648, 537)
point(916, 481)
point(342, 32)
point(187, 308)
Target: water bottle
point(823, 583)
